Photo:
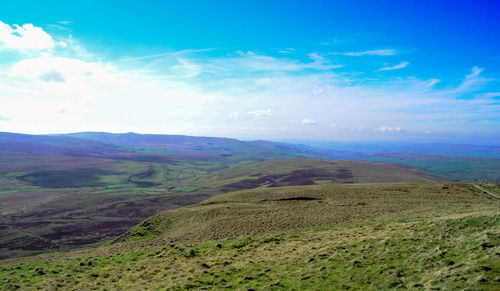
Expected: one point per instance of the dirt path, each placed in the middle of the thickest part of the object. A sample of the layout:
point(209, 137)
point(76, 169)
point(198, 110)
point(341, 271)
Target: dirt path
point(26, 232)
point(486, 191)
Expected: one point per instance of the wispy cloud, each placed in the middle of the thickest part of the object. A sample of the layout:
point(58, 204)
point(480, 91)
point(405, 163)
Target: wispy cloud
point(379, 52)
point(471, 81)
point(287, 50)
point(186, 68)
point(307, 121)
point(58, 27)
point(395, 67)
point(432, 82)
point(388, 129)
point(490, 94)
point(61, 25)
point(260, 113)
point(265, 96)
point(233, 115)
point(167, 54)
point(261, 63)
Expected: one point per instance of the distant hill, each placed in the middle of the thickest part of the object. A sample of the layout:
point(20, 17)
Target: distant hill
point(148, 147)
point(454, 162)
point(359, 150)
point(159, 143)
point(55, 145)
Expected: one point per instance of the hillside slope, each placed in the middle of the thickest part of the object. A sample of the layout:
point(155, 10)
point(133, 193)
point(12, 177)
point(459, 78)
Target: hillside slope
point(365, 236)
point(50, 203)
point(268, 210)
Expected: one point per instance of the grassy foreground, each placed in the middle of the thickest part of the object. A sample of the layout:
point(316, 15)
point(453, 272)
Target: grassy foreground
point(447, 238)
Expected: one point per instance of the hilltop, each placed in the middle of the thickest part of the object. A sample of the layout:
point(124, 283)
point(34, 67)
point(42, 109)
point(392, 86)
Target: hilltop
point(369, 236)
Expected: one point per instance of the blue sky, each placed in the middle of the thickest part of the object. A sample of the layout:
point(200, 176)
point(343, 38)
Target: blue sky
point(317, 70)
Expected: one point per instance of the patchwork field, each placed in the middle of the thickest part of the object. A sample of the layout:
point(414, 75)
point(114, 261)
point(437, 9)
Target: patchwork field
point(356, 236)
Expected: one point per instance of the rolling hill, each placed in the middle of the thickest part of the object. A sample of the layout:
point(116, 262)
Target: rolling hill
point(181, 144)
point(356, 236)
point(55, 145)
point(78, 190)
point(59, 203)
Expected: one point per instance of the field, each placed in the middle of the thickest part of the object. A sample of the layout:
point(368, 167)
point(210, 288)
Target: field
point(349, 236)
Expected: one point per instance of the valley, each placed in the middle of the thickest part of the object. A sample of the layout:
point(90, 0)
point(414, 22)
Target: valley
point(96, 207)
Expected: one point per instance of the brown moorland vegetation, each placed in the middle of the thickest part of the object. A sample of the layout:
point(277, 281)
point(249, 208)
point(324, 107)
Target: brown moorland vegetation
point(361, 236)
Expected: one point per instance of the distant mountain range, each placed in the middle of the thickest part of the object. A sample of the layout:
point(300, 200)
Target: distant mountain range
point(142, 146)
point(455, 162)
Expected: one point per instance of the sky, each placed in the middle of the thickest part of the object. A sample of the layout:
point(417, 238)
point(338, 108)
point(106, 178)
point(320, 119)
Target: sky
point(276, 70)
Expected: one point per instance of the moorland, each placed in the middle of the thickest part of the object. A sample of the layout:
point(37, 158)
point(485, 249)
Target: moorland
point(344, 236)
point(64, 192)
point(99, 209)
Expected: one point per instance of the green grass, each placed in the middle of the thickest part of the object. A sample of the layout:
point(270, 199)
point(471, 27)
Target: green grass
point(150, 228)
point(33, 189)
point(267, 210)
point(186, 189)
point(126, 192)
point(458, 251)
point(359, 236)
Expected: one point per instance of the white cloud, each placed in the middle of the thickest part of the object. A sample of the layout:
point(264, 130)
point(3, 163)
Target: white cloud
point(186, 68)
point(262, 63)
point(474, 74)
point(24, 38)
point(490, 94)
point(432, 82)
point(65, 22)
point(317, 90)
point(307, 121)
point(66, 89)
point(260, 113)
point(395, 67)
point(471, 81)
point(320, 63)
point(167, 54)
point(388, 129)
point(381, 52)
point(233, 115)
point(49, 68)
point(287, 50)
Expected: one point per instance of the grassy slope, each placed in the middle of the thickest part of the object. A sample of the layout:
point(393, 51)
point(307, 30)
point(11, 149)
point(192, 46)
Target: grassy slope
point(267, 210)
point(39, 211)
point(430, 235)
